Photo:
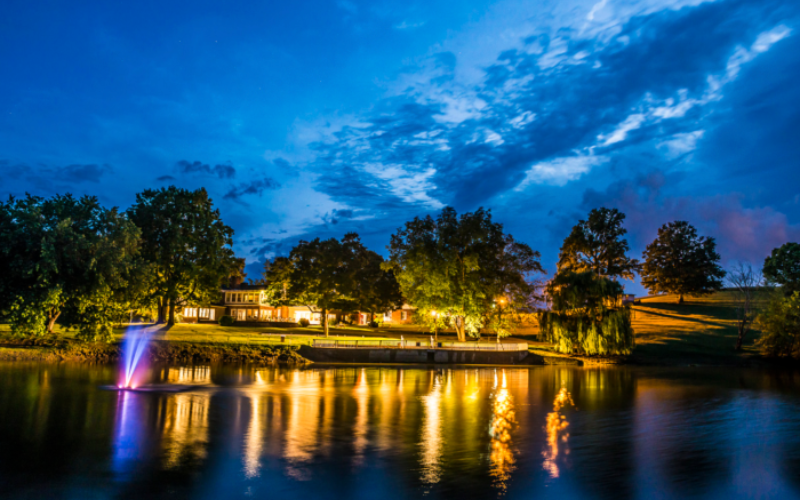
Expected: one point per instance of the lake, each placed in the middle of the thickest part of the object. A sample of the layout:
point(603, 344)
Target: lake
point(400, 432)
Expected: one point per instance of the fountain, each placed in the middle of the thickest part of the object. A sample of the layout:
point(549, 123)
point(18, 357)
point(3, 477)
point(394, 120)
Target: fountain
point(133, 349)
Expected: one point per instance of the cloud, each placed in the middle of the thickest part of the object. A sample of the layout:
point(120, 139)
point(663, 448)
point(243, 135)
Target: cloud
point(559, 171)
point(743, 233)
point(43, 174)
point(166, 178)
point(256, 187)
point(223, 171)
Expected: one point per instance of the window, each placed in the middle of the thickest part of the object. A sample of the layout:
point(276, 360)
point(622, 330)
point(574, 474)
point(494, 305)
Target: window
point(387, 316)
point(188, 312)
point(403, 315)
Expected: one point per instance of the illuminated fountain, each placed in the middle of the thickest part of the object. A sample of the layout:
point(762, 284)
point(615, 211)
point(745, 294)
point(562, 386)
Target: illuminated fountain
point(133, 348)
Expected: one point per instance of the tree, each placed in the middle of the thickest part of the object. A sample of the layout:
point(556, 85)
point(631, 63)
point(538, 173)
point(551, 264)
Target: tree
point(596, 245)
point(746, 283)
point(782, 268)
point(320, 274)
point(455, 268)
point(66, 254)
point(780, 327)
point(587, 315)
point(680, 262)
point(376, 289)
point(187, 245)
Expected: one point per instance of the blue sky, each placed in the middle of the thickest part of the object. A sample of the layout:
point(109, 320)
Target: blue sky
point(307, 119)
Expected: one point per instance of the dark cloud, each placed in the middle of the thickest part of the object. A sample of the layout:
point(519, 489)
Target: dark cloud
point(534, 112)
point(41, 174)
point(223, 171)
point(166, 178)
point(256, 187)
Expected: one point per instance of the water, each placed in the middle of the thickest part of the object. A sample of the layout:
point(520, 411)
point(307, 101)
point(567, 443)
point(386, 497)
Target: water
point(383, 433)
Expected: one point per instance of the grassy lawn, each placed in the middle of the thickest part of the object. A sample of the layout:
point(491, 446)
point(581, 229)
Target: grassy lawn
point(701, 330)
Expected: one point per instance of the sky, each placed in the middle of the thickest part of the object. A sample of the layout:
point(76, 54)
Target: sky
point(314, 119)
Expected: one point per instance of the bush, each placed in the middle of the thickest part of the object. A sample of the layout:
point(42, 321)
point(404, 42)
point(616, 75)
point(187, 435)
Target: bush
point(780, 327)
point(303, 322)
point(375, 324)
point(226, 321)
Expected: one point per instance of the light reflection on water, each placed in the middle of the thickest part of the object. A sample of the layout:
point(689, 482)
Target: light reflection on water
point(378, 432)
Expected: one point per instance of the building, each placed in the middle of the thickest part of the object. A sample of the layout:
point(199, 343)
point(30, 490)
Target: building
point(248, 303)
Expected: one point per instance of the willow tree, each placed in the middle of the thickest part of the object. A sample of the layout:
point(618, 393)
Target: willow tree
point(587, 315)
point(454, 269)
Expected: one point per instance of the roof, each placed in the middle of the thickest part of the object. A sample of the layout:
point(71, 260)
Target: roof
point(244, 288)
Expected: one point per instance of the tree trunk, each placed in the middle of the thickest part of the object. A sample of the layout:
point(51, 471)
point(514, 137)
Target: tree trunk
point(740, 339)
point(460, 329)
point(680, 299)
point(162, 312)
point(51, 320)
point(325, 321)
point(171, 320)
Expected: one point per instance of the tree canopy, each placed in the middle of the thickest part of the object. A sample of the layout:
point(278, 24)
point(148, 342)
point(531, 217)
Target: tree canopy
point(587, 315)
point(187, 245)
point(680, 262)
point(66, 254)
point(782, 268)
point(458, 268)
point(328, 275)
point(597, 244)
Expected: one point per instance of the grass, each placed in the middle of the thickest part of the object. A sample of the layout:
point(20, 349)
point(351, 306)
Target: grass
point(701, 330)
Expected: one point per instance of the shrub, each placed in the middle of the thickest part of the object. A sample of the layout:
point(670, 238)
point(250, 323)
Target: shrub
point(226, 321)
point(780, 327)
point(303, 322)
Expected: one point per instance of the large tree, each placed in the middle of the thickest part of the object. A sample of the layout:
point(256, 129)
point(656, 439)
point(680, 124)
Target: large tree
point(682, 263)
point(746, 283)
point(187, 244)
point(597, 244)
point(587, 315)
point(782, 268)
point(320, 274)
point(456, 268)
point(376, 289)
point(66, 254)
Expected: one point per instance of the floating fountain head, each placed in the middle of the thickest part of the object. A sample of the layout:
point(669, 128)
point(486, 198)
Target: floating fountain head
point(133, 349)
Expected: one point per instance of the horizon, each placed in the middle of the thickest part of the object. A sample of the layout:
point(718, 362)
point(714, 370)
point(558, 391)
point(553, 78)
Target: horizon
point(314, 120)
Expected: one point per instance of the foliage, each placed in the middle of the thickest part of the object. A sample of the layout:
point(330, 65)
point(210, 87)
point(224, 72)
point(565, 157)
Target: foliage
point(680, 262)
point(226, 320)
point(596, 244)
point(66, 255)
point(780, 327)
point(587, 315)
point(187, 245)
point(375, 289)
point(782, 268)
point(321, 274)
point(303, 322)
point(457, 267)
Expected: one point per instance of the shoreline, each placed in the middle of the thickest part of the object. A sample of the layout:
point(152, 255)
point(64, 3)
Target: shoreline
point(163, 351)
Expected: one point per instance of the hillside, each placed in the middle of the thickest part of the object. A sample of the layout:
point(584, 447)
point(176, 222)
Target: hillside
point(701, 330)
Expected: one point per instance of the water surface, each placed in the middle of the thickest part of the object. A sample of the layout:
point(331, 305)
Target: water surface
point(389, 432)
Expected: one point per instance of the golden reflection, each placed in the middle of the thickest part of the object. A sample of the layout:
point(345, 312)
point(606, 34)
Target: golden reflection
point(302, 438)
point(556, 431)
point(432, 433)
point(191, 374)
point(185, 431)
point(361, 393)
point(503, 419)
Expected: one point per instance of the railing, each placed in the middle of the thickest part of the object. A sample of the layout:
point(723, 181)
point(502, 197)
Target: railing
point(421, 344)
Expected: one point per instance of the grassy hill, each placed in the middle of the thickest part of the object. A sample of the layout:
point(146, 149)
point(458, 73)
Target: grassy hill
point(701, 330)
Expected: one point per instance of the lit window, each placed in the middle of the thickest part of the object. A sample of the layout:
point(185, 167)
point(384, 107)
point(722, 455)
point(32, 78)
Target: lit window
point(403, 315)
